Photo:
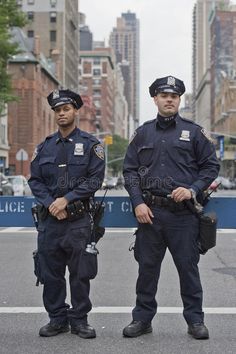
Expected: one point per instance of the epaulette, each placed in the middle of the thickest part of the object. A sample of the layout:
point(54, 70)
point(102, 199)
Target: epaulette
point(188, 120)
point(51, 135)
point(88, 136)
point(149, 122)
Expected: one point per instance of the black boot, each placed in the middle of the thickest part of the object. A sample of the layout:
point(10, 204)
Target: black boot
point(83, 330)
point(53, 329)
point(198, 331)
point(137, 328)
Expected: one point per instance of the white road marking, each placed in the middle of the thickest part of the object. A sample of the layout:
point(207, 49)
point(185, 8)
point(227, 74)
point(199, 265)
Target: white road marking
point(27, 230)
point(12, 229)
point(124, 309)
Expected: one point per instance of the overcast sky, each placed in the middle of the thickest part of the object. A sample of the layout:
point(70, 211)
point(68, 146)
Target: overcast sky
point(165, 38)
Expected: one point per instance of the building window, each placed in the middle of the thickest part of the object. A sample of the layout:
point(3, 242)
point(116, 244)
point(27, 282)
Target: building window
point(30, 34)
point(98, 113)
point(53, 3)
point(87, 67)
point(104, 68)
point(96, 82)
point(53, 17)
point(96, 72)
point(96, 92)
point(53, 36)
point(96, 61)
point(30, 2)
point(30, 15)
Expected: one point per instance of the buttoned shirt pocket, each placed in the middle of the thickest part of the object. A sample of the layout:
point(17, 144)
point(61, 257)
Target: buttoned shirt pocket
point(182, 145)
point(78, 165)
point(183, 152)
point(145, 154)
point(47, 164)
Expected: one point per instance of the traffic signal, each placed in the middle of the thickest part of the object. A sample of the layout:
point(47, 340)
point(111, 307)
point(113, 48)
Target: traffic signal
point(108, 140)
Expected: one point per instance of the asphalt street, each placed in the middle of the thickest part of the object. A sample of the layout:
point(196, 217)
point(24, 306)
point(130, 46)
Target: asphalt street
point(113, 295)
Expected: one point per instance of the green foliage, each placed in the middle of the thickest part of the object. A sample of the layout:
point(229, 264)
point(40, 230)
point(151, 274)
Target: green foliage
point(10, 15)
point(115, 151)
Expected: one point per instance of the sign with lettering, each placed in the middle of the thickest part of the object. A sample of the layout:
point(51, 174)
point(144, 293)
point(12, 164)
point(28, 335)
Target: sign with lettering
point(16, 211)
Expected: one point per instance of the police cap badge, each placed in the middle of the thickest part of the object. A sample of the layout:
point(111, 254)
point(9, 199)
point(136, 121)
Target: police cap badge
point(60, 97)
point(167, 84)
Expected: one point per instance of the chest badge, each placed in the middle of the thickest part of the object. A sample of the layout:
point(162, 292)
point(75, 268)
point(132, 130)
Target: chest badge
point(79, 149)
point(185, 135)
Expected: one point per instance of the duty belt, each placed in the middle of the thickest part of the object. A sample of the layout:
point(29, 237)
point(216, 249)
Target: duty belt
point(165, 203)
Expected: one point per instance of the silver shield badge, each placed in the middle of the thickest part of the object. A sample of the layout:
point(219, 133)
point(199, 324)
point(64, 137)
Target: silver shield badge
point(55, 94)
point(79, 149)
point(171, 81)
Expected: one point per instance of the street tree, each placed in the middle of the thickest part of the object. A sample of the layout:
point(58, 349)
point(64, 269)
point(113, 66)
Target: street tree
point(116, 152)
point(10, 16)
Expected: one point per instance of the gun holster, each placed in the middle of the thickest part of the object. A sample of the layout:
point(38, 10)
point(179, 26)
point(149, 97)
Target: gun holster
point(207, 228)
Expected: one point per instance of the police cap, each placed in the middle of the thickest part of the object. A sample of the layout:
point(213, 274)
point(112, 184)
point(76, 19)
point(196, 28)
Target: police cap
point(167, 84)
point(60, 97)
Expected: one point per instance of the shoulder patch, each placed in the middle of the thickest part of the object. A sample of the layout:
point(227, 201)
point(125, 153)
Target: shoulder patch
point(206, 134)
point(99, 151)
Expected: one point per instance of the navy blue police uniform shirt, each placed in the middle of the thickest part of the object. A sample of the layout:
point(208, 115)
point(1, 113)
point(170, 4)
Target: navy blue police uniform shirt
point(82, 162)
point(161, 158)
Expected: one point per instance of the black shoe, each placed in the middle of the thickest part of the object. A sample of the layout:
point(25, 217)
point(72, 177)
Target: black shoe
point(198, 331)
point(83, 330)
point(53, 329)
point(137, 328)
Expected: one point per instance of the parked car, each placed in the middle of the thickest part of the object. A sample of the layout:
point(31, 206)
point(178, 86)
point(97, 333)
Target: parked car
point(110, 183)
point(6, 187)
point(225, 183)
point(20, 185)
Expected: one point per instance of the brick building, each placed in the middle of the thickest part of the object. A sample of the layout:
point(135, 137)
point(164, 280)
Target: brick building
point(30, 119)
point(56, 22)
point(97, 80)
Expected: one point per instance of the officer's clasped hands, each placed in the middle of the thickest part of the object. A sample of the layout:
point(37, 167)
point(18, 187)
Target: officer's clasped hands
point(179, 194)
point(57, 208)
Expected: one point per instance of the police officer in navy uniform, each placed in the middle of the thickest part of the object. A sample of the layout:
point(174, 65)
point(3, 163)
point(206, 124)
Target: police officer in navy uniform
point(66, 168)
point(169, 160)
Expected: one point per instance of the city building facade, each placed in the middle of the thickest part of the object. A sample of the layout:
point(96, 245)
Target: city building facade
point(4, 146)
point(201, 59)
point(30, 119)
point(124, 39)
point(96, 80)
point(56, 23)
point(223, 54)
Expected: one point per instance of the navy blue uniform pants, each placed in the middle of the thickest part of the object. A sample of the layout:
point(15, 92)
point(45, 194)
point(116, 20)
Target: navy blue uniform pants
point(178, 232)
point(60, 244)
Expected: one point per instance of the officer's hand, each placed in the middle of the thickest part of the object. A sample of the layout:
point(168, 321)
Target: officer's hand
point(61, 215)
point(58, 205)
point(179, 194)
point(143, 214)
